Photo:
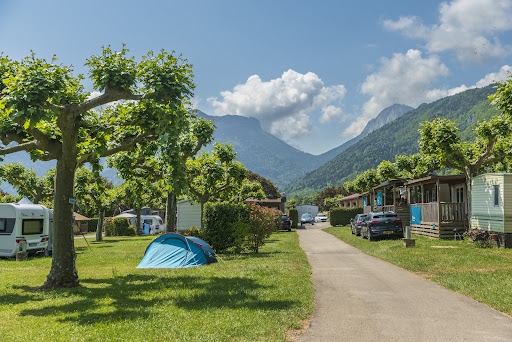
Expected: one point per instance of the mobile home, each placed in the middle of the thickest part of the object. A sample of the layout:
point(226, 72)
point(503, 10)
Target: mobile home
point(23, 223)
point(189, 215)
point(491, 205)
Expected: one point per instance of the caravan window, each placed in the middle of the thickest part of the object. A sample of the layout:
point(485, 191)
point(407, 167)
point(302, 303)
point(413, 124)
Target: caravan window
point(3, 225)
point(32, 226)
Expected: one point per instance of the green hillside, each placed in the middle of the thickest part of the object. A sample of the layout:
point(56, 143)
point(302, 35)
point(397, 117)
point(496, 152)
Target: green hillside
point(396, 138)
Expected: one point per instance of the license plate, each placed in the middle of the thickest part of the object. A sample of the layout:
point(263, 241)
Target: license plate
point(388, 232)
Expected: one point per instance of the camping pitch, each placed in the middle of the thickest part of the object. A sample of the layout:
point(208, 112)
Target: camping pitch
point(173, 250)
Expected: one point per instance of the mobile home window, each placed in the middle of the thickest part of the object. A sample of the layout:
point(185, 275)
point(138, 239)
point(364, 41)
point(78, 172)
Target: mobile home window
point(32, 226)
point(3, 225)
point(496, 195)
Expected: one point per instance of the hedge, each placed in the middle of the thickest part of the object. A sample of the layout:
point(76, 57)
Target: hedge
point(342, 216)
point(219, 218)
point(293, 214)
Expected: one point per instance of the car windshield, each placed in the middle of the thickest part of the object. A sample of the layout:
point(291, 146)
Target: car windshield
point(306, 215)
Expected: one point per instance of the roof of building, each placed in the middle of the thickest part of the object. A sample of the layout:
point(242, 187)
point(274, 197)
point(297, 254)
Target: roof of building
point(79, 217)
point(347, 198)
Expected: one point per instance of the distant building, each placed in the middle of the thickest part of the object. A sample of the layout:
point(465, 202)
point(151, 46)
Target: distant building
point(351, 201)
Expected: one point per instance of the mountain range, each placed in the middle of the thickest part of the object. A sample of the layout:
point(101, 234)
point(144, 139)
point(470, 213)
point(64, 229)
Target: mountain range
point(397, 137)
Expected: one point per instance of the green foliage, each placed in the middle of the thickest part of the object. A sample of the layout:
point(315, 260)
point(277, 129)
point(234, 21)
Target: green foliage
point(293, 213)
point(263, 222)
point(330, 193)
point(269, 189)
point(218, 220)
point(27, 183)
point(194, 231)
point(215, 174)
point(240, 230)
point(118, 226)
point(342, 216)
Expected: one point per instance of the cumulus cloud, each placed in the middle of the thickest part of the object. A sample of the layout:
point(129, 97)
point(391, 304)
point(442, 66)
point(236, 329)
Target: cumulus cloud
point(286, 99)
point(406, 79)
point(469, 27)
point(402, 79)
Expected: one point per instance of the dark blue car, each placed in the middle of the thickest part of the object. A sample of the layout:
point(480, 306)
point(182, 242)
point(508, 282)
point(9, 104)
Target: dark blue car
point(382, 225)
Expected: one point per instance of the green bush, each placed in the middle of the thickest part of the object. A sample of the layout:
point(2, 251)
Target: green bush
point(118, 226)
point(92, 224)
point(218, 223)
point(194, 231)
point(342, 216)
point(293, 214)
point(240, 230)
point(263, 222)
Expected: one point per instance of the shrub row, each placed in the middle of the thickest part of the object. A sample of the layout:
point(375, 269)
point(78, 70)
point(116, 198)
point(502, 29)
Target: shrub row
point(342, 216)
point(238, 226)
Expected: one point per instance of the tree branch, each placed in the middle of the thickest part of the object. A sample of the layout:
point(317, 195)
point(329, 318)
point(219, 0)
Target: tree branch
point(110, 95)
point(127, 144)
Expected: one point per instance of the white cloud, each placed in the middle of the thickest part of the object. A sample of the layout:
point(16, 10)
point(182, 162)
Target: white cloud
point(331, 113)
point(406, 79)
point(403, 79)
point(286, 99)
point(469, 27)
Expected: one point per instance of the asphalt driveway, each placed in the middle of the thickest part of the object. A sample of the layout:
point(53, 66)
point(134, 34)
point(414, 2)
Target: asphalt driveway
point(362, 298)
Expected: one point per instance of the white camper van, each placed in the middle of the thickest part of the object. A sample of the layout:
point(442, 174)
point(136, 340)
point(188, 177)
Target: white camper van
point(22, 224)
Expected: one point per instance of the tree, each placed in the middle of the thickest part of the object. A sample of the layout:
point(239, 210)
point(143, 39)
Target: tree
point(95, 193)
point(440, 139)
point(331, 193)
point(28, 184)
point(267, 186)
point(214, 174)
point(166, 161)
point(45, 110)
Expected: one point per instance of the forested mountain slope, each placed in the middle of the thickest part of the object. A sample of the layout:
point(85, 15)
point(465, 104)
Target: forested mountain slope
point(397, 137)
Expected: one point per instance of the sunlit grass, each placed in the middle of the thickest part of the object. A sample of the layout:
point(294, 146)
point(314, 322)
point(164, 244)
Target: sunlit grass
point(484, 274)
point(244, 297)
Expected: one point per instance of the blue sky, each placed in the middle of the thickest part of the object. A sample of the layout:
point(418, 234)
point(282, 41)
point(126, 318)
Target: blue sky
point(313, 72)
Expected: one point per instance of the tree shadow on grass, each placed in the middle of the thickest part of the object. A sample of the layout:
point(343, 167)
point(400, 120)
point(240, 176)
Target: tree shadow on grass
point(133, 297)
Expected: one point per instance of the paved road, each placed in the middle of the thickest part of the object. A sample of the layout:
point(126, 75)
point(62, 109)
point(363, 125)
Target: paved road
point(361, 298)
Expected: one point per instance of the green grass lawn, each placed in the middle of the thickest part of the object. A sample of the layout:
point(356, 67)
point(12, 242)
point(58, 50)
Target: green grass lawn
point(484, 274)
point(248, 297)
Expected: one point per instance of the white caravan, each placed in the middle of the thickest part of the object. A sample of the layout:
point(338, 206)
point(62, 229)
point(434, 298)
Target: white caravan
point(23, 223)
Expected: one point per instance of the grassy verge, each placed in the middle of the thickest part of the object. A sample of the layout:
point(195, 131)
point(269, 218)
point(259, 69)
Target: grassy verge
point(242, 298)
point(483, 274)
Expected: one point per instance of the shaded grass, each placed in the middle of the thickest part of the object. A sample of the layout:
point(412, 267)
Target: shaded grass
point(484, 274)
point(245, 298)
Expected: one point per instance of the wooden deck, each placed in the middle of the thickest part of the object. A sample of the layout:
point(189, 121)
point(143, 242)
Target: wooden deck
point(438, 220)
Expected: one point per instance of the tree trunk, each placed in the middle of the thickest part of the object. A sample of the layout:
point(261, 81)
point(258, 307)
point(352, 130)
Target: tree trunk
point(469, 178)
point(138, 228)
point(63, 272)
point(170, 212)
point(99, 227)
point(203, 201)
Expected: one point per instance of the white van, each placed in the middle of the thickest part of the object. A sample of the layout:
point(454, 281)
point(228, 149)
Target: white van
point(23, 223)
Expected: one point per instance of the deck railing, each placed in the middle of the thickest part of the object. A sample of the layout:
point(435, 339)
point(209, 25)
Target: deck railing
point(452, 212)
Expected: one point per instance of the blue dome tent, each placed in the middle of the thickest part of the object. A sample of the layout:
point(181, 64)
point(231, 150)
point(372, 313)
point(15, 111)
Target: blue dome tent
point(173, 250)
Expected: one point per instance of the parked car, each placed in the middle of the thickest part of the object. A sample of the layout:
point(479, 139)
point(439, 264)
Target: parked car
point(306, 218)
point(355, 224)
point(382, 224)
point(321, 218)
point(287, 223)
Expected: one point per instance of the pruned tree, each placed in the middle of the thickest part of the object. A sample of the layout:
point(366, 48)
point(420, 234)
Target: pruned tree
point(440, 139)
point(214, 174)
point(26, 182)
point(94, 192)
point(45, 110)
